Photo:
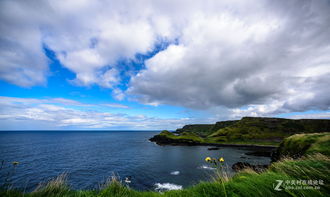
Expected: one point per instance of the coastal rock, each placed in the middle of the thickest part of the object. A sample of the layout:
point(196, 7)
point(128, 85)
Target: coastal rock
point(213, 148)
point(164, 140)
point(262, 153)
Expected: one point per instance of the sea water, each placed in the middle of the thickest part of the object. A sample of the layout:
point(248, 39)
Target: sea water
point(89, 158)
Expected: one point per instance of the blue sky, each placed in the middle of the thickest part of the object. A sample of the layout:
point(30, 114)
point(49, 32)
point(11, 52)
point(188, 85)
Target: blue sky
point(161, 65)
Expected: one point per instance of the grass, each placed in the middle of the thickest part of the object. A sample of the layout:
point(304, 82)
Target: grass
point(186, 137)
point(183, 137)
point(199, 129)
point(242, 142)
point(301, 144)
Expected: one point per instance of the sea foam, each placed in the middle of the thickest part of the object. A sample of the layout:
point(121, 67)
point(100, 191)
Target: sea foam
point(175, 173)
point(167, 186)
point(206, 167)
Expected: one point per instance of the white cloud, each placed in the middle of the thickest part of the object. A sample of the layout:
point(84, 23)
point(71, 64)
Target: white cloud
point(118, 94)
point(87, 37)
point(255, 57)
point(322, 115)
point(115, 105)
point(58, 113)
point(270, 109)
point(22, 61)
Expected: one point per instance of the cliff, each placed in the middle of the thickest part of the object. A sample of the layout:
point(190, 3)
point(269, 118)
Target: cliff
point(248, 130)
point(299, 145)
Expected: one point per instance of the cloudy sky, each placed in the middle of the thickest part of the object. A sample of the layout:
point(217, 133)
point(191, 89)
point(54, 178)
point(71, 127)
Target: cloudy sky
point(160, 64)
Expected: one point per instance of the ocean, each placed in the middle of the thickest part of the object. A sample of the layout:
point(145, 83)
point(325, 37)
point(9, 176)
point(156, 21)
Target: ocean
point(89, 158)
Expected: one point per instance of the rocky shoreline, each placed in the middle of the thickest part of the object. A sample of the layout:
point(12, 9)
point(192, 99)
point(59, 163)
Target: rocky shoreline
point(163, 141)
point(254, 130)
point(257, 150)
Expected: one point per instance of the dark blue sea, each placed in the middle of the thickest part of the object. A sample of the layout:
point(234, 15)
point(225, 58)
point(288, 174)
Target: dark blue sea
point(89, 158)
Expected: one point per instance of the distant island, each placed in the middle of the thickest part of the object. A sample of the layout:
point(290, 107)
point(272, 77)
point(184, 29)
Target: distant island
point(249, 131)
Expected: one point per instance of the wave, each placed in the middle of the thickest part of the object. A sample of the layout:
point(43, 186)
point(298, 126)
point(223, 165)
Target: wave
point(175, 173)
point(167, 186)
point(205, 167)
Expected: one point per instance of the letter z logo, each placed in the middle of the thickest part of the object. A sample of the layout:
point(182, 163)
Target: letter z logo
point(279, 183)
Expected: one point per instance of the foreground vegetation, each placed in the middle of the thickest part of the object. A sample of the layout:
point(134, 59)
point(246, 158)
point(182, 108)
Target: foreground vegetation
point(248, 130)
point(310, 172)
point(246, 183)
point(302, 144)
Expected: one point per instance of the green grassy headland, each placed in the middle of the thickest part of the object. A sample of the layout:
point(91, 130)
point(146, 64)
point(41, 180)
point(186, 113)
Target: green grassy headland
point(248, 130)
